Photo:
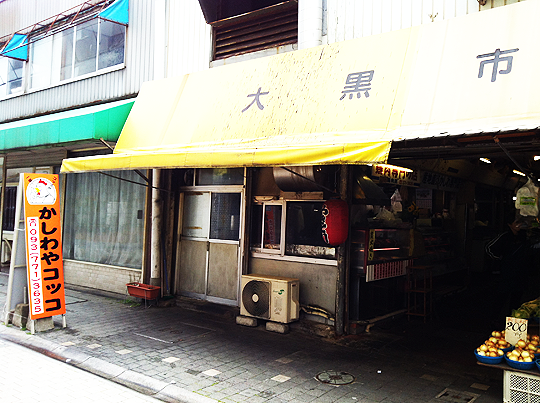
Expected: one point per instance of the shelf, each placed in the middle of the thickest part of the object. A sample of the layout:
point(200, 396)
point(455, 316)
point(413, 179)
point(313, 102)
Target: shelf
point(419, 292)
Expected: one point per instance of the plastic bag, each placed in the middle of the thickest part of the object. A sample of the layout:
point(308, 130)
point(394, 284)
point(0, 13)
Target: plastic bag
point(396, 202)
point(385, 215)
point(527, 200)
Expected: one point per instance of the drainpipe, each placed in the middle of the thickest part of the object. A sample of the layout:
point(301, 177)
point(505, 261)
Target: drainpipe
point(160, 71)
point(310, 23)
point(342, 262)
point(155, 249)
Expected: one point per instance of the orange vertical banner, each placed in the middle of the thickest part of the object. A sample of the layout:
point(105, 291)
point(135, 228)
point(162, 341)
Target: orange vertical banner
point(43, 245)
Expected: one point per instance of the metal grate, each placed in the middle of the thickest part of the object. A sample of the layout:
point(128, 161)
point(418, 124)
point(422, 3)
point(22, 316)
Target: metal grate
point(456, 396)
point(521, 388)
point(335, 378)
point(261, 29)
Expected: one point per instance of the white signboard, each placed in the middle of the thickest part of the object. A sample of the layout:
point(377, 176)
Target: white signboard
point(516, 329)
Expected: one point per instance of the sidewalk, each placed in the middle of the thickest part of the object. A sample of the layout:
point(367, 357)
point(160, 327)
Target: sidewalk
point(180, 355)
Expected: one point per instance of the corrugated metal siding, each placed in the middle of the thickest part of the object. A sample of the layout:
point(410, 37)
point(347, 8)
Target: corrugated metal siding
point(104, 87)
point(19, 14)
point(190, 44)
point(349, 19)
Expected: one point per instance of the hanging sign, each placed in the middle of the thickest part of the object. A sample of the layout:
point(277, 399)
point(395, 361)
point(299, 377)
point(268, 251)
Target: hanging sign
point(43, 245)
point(397, 175)
point(335, 221)
point(516, 330)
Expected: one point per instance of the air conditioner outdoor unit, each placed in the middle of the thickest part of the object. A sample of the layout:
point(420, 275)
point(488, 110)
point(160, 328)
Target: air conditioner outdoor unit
point(270, 297)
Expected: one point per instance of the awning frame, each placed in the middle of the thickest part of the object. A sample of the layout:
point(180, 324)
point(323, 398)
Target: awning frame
point(57, 23)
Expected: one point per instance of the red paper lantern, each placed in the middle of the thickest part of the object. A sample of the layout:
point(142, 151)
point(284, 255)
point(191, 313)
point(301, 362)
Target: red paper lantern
point(335, 221)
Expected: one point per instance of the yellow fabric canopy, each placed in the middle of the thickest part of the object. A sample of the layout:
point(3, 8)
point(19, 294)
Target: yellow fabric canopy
point(342, 103)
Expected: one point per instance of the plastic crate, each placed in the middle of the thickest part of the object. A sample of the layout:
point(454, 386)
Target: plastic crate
point(521, 387)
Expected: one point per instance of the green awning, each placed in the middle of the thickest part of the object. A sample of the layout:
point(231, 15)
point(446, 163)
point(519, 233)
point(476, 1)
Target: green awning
point(79, 125)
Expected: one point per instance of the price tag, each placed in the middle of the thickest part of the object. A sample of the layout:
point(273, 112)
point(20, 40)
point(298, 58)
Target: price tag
point(516, 329)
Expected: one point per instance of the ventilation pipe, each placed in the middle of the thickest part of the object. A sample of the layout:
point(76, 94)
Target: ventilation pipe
point(155, 255)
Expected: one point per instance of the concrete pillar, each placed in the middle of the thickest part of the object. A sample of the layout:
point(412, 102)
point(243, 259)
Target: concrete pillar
point(310, 23)
point(155, 250)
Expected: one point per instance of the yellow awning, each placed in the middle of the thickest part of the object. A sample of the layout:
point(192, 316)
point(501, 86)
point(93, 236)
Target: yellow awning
point(342, 103)
point(280, 110)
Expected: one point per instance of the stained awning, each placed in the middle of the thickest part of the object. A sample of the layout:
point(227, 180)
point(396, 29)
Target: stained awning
point(117, 12)
point(342, 103)
point(16, 48)
point(78, 125)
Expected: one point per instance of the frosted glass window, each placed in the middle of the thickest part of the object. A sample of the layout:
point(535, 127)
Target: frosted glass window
point(196, 217)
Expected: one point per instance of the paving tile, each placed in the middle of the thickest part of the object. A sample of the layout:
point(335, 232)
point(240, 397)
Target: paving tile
point(170, 359)
point(247, 359)
point(280, 378)
point(211, 372)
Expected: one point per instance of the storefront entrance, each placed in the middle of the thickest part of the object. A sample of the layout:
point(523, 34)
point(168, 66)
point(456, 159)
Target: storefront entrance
point(209, 261)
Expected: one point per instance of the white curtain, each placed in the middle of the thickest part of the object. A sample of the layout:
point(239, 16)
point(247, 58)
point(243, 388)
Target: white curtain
point(104, 219)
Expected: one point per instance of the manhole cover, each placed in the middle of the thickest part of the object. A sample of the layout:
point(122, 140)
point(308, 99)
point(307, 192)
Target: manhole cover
point(335, 377)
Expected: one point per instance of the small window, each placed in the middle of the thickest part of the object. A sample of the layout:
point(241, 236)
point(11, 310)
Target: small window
point(220, 176)
point(112, 38)
point(266, 227)
point(303, 235)
point(11, 76)
point(8, 223)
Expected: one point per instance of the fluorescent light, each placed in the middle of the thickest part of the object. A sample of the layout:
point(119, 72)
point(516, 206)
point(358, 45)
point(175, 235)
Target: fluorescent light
point(537, 157)
point(518, 172)
point(487, 161)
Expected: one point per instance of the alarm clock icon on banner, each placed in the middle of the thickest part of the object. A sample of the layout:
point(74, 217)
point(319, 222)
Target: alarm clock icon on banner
point(41, 191)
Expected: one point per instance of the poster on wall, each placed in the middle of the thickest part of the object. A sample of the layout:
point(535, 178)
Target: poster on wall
point(43, 245)
point(424, 198)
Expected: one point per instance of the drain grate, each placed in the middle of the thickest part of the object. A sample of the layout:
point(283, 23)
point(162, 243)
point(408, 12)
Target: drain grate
point(335, 378)
point(455, 396)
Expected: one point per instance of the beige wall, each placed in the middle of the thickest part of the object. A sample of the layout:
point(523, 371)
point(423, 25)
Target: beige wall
point(317, 282)
point(98, 276)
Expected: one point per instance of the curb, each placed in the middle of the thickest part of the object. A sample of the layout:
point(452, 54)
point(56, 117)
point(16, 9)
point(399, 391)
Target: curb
point(139, 382)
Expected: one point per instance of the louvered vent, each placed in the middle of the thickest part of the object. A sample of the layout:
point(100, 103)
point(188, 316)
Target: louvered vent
point(257, 30)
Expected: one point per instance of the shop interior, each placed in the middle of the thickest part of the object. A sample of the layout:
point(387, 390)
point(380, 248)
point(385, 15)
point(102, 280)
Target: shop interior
point(463, 197)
